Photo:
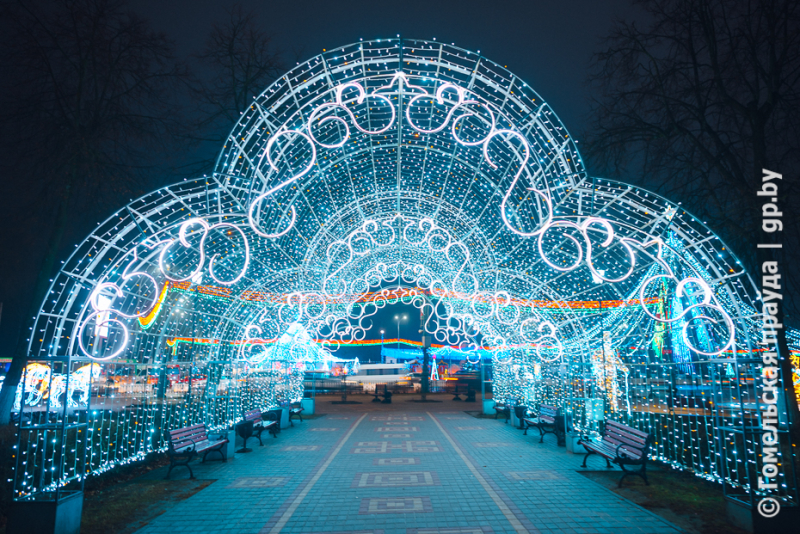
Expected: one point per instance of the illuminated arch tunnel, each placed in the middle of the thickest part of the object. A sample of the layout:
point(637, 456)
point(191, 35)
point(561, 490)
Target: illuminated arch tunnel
point(400, 169)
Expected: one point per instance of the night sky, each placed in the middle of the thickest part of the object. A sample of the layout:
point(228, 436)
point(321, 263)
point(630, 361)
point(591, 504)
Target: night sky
point(549, 44)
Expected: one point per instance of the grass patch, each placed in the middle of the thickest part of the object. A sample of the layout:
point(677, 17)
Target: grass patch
point(129, 506)
point(694, 504)
point(116, 501)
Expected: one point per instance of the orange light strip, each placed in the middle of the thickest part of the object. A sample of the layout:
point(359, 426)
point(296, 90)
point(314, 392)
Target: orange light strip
point(390, 294)
point(148, 319)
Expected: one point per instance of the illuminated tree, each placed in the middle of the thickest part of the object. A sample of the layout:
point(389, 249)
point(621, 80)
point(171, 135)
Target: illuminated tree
point(695, 104)
point(87, 112)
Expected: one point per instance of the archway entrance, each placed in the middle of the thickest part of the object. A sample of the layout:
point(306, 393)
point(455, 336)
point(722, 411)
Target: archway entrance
point(411, 164)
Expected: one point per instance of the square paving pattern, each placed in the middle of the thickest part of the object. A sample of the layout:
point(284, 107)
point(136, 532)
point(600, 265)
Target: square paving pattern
point(395, 461)
point(388, 480)
point(337, 474)
point(396, 505)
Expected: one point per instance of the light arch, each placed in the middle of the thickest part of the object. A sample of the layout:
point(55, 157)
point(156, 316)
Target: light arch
point(400, 136)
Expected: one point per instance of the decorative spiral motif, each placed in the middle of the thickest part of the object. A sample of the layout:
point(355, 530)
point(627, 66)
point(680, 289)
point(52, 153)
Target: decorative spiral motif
point(708, 298)
point(456, 116)
point(335, 312)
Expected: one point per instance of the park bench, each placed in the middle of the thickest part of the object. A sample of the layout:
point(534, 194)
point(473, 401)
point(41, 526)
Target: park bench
point(470, 393)
point(548, 422)
point(504, 409)
point(260, 425)
point(387, 395)
point(190, 441)
point(297, 410)
point(622, 445)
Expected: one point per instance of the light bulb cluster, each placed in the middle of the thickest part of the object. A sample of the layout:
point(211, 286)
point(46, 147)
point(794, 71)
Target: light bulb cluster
point(384, 172)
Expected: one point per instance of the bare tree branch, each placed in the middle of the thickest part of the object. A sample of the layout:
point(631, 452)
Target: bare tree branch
point(697, 103)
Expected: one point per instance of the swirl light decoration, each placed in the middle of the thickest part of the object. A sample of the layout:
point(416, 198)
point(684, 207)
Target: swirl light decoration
point(425, 167)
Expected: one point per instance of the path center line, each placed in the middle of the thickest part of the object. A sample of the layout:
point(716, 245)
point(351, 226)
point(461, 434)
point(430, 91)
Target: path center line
point(299, 499)
point(493, 494)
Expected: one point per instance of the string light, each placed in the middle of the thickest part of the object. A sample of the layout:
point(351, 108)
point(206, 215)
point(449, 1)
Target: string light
point(358, 181)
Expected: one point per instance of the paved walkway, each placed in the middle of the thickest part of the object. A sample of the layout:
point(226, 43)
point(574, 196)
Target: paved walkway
point(405, 468)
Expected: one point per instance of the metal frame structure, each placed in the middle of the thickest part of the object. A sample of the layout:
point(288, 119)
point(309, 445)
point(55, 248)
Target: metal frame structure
point(413, 167)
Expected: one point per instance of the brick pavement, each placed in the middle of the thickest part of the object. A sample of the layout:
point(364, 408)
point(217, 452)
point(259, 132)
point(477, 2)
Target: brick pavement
point(355, 472)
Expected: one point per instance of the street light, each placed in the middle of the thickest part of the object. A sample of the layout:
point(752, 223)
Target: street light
point(383, 358)
point(398, 318)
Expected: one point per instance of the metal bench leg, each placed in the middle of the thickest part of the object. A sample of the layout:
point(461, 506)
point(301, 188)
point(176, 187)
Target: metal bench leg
point(586, 458)
point(641, 472)
point(542, 432)
point(186, 465)
point(219, 450)
point(173, 464)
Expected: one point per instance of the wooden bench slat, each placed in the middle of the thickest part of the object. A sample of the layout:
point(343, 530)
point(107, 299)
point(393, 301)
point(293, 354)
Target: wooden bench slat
point(622, 443)
point(181, 432)
point(185, 435)
point(633, 441)
point(261, 421)
point(614, 430)
point(611, 451)
point(548, 411)
point(624, 446)
point(188, 428)
point(600, 448)
point(190, 441)
point(187, 439)
point(252, 415)
point(547, 416)
point(630, 451)
point(192, 437)
point(628, 429)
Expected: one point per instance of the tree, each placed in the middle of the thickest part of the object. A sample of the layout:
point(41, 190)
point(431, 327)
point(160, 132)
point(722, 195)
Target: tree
point(87, 117)
point(696, 105)
point(237, 64)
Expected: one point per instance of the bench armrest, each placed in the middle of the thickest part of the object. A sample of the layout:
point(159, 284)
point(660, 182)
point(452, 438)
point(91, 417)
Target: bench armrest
point(187, 449)
point(622, 454)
